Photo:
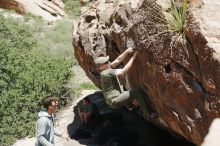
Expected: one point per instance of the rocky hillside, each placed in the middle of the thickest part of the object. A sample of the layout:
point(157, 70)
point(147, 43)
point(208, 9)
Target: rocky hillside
point(48, 9)
point(180, 75)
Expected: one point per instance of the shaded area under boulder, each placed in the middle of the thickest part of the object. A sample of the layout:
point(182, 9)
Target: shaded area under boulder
point(119, 127)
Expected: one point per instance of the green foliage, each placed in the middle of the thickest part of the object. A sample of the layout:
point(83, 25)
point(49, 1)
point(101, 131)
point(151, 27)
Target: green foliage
point(72, 8)
point(87, 86)
point(55, 38)
point(176, 22)
point(29, 16)
point(84, 86)
point(176, 16)
point(26, 76)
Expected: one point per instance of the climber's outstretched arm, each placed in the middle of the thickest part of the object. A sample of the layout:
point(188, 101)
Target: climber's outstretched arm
point(123, 71)
point(121, 57)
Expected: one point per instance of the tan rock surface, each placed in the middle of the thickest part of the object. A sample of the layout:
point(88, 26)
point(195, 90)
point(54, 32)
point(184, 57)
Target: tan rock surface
point(48, 10)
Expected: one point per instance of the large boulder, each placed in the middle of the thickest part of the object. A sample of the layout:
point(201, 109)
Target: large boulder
point(49, 10)
point(181, 82)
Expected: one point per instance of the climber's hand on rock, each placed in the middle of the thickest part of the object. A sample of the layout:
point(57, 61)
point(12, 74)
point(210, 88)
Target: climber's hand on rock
point(136, 53)
point(130, 50)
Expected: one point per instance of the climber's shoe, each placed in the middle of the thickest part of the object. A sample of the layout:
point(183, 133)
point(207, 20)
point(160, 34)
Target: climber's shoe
point(151, 116)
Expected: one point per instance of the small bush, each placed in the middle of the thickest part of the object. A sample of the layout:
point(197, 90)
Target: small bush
point(84, 86)
point(72, 8)
point(87, 86)
point(176, 21)
point(176, 16)
point(56, 39)
point(26, 76)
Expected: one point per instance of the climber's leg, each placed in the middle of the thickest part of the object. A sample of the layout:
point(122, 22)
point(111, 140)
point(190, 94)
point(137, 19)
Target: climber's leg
point(139, 96)
point(121, 100)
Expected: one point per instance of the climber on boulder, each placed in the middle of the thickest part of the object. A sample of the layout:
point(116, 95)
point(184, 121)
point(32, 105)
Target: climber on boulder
point(114, 97)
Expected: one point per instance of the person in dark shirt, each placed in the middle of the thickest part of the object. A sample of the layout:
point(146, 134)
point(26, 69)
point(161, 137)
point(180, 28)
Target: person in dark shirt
point(87, 110)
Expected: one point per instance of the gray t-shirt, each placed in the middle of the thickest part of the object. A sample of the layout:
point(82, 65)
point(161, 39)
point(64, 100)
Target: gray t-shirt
point(109, 83)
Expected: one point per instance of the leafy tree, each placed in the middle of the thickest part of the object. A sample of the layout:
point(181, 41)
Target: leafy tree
point(26, 76)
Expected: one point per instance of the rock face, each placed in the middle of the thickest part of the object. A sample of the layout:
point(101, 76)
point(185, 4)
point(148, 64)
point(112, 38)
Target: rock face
point(182, 82)
point(48, 9)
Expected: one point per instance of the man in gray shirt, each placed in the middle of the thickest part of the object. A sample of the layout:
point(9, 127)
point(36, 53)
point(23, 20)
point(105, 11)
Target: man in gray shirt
point(45, 130)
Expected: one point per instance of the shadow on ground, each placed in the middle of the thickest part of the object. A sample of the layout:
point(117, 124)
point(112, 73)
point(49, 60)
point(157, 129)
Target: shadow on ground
point(119, 127)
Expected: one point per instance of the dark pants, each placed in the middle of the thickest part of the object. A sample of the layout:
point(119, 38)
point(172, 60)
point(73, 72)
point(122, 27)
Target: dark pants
point(127, 97)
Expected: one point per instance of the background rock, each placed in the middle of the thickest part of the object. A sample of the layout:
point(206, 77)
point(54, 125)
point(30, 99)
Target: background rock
point(180, 83)
point(48, 10)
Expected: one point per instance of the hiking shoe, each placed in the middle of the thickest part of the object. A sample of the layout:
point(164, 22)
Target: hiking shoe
point(150, 116)
point(146, 116)
point(153, 115)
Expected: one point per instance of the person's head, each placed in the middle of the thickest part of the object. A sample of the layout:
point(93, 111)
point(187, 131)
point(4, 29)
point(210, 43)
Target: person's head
point(102, 63)
point(86, 100)
point(50, 103)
